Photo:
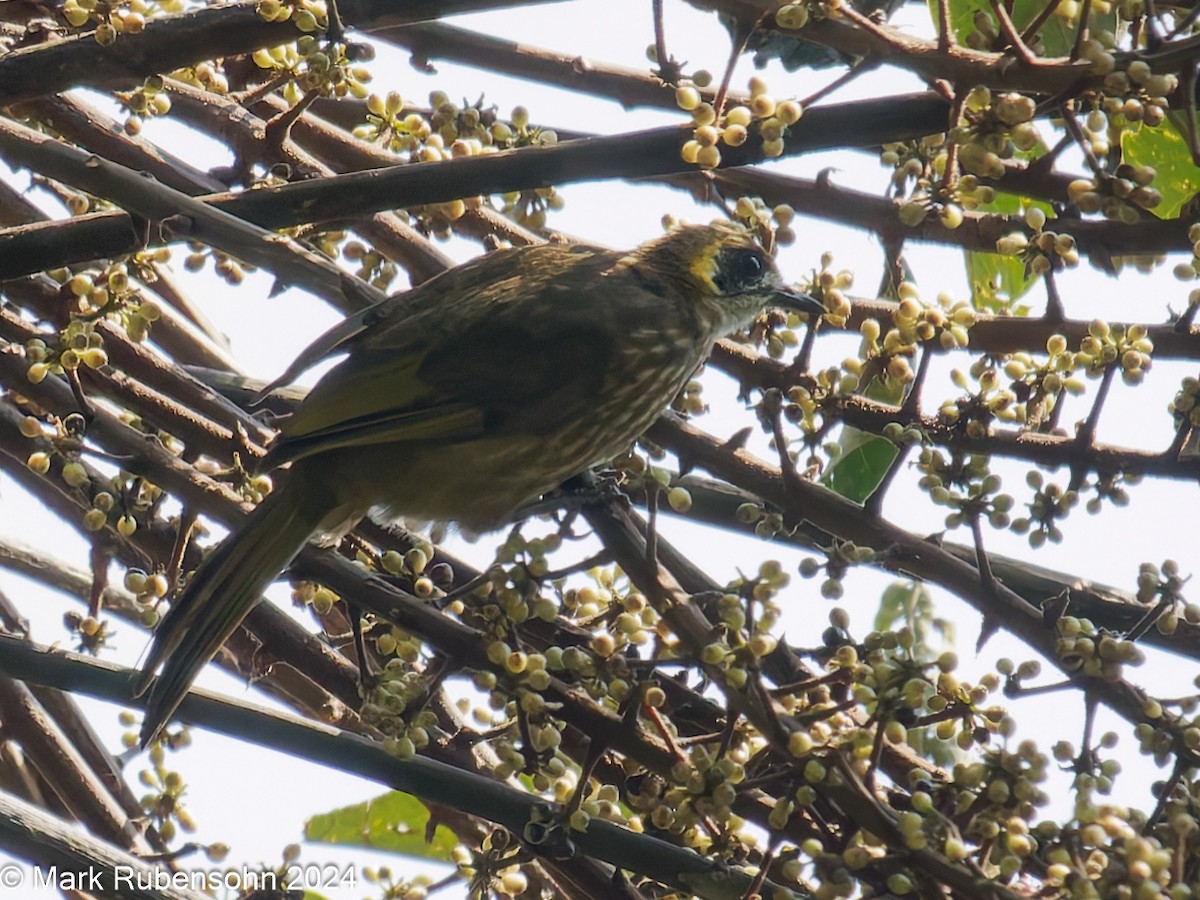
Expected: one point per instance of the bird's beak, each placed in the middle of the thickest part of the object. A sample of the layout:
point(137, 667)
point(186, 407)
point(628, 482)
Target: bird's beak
point(788, 298)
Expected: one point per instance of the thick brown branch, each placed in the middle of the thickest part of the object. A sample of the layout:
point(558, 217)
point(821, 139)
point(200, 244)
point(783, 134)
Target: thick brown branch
point(636, 155)
point(177, 41)
point(171, 214)
point(629, 87)
point(431, 780)
point(979, 231)
point(916, 556)
point(956, 64)
point(716, 503)
point(59, 763)
point(1051, 450)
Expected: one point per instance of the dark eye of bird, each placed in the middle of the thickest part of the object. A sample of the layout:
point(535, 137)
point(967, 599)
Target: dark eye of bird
point(739, 269)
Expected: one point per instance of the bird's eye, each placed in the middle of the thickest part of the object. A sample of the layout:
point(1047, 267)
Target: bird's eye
point(739, 269)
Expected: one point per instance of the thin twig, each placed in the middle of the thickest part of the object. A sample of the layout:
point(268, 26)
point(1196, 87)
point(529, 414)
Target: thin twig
point(652, 526)
point(860, 67)
point(1087, 432)
point(1009, 30)
point(1085, 146)
point(1035, 26)
point(1055, 314)
point(945, 29)
point(668, 70)
point(1081, 35)
point(1188, 83)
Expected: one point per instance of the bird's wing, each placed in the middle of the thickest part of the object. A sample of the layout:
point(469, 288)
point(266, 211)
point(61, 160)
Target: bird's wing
point(526, 372)
point(461, 364)
point(399, 314)
point(334, 341)
point(373, 399)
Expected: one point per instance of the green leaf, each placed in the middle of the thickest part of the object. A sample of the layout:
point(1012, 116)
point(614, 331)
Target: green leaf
point(863, 463)
point(794, 52)
point(962, 16)
point(1057, 35)
point(894, 606)
point(1011, 204)
point(1166, 150)
point(882, 390)
point(394, 822)
point(998, 281)
point(909, 604)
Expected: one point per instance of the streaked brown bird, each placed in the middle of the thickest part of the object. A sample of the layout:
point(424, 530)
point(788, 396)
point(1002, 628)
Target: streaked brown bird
point(470, 396)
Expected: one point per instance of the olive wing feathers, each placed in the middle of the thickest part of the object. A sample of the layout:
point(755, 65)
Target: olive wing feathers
point(460, 365)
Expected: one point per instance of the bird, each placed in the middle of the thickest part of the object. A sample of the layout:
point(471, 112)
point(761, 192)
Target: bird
point(467, 398)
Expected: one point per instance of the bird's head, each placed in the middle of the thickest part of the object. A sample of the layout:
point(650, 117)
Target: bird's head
point(722, 267)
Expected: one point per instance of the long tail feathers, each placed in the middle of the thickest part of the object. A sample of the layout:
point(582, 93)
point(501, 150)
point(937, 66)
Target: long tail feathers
point(220, 595)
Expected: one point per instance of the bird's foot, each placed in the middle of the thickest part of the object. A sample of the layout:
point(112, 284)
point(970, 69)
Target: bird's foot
point(580, 491)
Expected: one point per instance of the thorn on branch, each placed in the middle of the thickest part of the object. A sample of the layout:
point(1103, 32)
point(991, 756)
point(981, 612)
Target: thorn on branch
point(85, 405)
point(279, 128)
point(669, 69)
point(735, 51)
point(1054, 608)
point(1183, 323)
point(736, 441)
point(1180, 440)
point(600, 558)
point(957, 100)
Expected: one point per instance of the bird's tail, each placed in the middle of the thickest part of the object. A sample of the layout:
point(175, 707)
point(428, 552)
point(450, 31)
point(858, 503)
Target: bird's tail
point(221, 593)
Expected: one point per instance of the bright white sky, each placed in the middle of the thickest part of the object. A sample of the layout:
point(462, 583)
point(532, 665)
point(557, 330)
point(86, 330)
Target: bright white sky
point(257, 801)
